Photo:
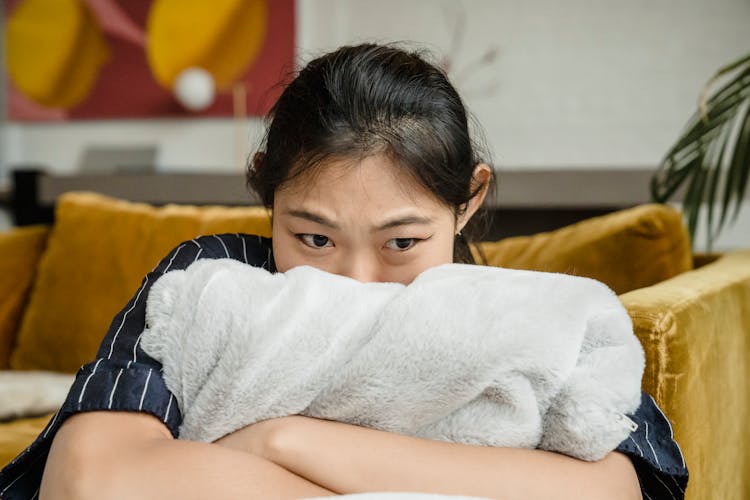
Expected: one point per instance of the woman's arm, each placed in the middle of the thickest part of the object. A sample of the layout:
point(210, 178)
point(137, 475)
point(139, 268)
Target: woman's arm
point(352, 459)
point(103, 455)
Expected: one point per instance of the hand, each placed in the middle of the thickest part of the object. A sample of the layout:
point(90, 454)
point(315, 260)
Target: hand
point(254, 438)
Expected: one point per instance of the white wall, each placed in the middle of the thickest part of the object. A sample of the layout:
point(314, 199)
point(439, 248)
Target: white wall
point(579, 82)
point(576, 83)
point(184, 145)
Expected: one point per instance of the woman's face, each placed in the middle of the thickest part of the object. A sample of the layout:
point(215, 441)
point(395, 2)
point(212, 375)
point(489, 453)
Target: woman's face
point(368, 220)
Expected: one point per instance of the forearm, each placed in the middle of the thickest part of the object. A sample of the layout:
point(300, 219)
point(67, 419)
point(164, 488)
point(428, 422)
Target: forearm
point(352, 459)
point(164, 468)
point(210, 471)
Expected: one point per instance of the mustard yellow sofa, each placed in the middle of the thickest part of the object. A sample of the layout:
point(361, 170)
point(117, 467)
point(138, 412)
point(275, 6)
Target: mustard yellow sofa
point(61, 285)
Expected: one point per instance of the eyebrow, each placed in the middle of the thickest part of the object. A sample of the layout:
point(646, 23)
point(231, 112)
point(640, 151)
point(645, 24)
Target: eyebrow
point(304, 214)
point(403, 221)
point(399, 221)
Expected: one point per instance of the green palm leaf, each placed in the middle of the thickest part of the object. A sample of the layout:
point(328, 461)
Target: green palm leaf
point(711, 158)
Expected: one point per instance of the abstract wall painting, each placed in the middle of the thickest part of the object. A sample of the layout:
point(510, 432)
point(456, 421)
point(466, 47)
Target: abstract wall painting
point(111, 59)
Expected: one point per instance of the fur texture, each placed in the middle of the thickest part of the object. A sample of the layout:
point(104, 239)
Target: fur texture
point(468, 354)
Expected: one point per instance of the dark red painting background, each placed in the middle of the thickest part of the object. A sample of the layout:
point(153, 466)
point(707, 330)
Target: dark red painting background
point(126, 89)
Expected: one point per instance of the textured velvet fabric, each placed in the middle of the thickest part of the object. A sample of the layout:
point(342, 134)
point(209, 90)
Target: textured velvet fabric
point(16, 435)
point(20, 250)
point(98, 252)
point(626, 250)
point(695, 330)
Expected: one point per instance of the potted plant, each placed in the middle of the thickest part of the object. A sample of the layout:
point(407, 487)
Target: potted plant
point(711, 158)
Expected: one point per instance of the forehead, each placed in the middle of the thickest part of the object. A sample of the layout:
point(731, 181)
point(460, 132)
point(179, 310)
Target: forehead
point(374, 182)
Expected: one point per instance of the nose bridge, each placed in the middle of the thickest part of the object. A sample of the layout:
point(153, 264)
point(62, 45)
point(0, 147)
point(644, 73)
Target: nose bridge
point(360, 265)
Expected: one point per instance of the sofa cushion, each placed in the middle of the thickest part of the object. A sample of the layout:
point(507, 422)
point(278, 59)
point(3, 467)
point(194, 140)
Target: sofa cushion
point(626, 250)
point(20, 250)
point(99, 250)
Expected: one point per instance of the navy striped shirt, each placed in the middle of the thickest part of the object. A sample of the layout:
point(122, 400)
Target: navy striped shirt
point(123, 377)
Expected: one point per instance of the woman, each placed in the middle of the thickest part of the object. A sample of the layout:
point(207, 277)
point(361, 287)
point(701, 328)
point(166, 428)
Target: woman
point(370, 172)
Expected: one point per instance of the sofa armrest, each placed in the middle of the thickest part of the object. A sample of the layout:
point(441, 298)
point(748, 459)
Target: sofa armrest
point(695, 330)
point(20, 251)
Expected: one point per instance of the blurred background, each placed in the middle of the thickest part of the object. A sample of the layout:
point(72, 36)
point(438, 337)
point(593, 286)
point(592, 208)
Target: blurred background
point(579, 101)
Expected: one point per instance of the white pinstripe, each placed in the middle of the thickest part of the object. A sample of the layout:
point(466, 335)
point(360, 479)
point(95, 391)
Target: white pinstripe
point(51, 424)
point(128, 365)
point(244, 248)
point(135, 347)
point(636, 445)
point(173, 256)
point(677, 484)
point(200, 251)
point(135, 302)
point(83, 389)
point(665, 486)
point(13, 482)
point(652, 448)
point(114, 388)
point(679, 450)
point(20, 455)
point(169, 264)
point(145, 388)
point(671, 432)
point(646, 495)
point(226, 250)
point(35, 494)
point(169, 406)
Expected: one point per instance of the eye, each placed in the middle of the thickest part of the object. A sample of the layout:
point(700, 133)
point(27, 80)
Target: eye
point(401, 244)
point(315, 240)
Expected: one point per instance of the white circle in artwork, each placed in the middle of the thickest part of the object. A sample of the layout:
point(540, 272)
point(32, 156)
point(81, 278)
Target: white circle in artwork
point(194, 88)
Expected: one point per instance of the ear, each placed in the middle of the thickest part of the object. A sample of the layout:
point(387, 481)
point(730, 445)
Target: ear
point(480, 183)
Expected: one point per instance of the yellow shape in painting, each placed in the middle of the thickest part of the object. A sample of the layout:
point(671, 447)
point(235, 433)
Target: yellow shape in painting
point(55, 51)
point(222, 36)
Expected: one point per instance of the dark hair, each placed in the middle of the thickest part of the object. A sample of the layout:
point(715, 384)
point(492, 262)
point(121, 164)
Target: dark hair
point(372, 99)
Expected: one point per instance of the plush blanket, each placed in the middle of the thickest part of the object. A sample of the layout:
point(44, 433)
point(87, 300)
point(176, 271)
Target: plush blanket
point(468, 354)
